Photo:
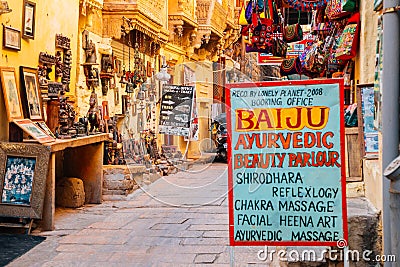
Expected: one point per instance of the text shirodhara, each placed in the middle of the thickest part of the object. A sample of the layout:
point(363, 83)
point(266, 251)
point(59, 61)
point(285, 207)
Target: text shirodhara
point(276, 150)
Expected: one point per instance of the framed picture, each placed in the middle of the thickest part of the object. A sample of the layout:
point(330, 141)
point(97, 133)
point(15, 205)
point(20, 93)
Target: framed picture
point(33, 130)
point(11, 94)
point(125, 104)
point(23, 175)
point(366, 111)
point(43, 126)
point(31, 95)
point(117, 67)
point(116, 96)
point(11, 38)
point(28, 20)
point(149, 70)
point(106, 113)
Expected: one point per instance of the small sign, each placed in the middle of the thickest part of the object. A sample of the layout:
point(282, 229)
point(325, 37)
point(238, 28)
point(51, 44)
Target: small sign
point(176, 110)
point(286, 170)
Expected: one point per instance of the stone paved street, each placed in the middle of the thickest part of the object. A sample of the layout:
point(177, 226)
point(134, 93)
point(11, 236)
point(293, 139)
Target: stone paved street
point(179, 220)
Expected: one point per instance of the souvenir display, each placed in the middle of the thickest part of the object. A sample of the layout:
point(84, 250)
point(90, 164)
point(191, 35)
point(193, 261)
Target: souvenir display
point(319, 49)
point(348, 41)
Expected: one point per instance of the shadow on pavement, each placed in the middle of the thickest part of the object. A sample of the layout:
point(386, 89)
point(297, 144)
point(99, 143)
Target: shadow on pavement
point(13, 246)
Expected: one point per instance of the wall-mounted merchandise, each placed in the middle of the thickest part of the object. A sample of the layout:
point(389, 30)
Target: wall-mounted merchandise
point(328, 31)
point(28, 19)
point(12, 98)
point(23, 179)
point(33, 130)
point(63, 60)
point(11, 38)
point(4, 8)
point(366, 111)
point(63, 42)
point(31, 94)
point(54, 88)
point(46, 62)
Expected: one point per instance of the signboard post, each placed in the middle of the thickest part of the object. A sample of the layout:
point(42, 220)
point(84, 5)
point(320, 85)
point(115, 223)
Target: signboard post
point(176, 109)
point(286, 171)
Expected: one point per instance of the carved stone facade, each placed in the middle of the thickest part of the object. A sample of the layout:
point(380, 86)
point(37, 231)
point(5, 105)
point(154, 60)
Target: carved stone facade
point(148, 17)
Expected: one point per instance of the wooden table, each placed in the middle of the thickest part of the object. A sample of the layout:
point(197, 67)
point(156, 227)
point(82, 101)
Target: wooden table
point(80, 157)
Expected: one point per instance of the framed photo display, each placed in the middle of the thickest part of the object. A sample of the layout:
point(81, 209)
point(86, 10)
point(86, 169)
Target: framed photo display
point(28, 19)
point(34, 130)
point(31, 94)
point(11, 38)
point(11, 94)
point(42, 125)
point(23, 179)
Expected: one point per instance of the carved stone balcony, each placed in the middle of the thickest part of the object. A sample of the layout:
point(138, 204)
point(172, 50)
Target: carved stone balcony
point(184, 11)
point(182, 24)
point(90, 4)
point(211, 17)
point(216, 26)
point(146, 16)
point(232, 14)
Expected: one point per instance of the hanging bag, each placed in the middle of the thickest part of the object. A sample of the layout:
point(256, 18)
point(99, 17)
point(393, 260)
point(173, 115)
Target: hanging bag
point(292, 33)
point(348, 41)
point(249, 11)
point(242, 16)
point(260, 33)
point(279, 48)
point(290, 66)
point(334, 10)
point(314, 58)
point(349, 5)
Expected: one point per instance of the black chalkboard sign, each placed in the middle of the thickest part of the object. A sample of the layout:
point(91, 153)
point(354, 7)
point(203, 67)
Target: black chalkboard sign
point(176, 110)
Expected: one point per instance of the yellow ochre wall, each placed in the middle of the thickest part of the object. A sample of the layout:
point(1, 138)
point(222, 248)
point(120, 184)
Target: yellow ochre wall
point(51, 18)
point(365, 73)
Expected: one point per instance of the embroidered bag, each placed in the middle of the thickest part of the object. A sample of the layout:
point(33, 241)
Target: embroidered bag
point(348, 41)
point(290, 66)
point(261, 28)
point(334, 10)
point(292, 33)
point(349, 5)
point(313, 59)
point(262, 33)
point(279, 47)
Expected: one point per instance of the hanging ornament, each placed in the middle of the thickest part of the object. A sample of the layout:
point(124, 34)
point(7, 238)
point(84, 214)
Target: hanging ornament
point(163, 74)
point(123, 76)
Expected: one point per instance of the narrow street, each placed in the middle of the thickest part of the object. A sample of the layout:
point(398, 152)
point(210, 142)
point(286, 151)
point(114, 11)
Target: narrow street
point(179, 220)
